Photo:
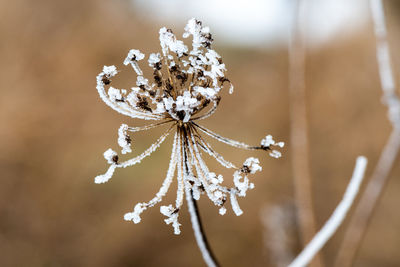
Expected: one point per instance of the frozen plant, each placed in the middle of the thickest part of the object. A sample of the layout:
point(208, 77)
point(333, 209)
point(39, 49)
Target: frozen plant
point(185, 89)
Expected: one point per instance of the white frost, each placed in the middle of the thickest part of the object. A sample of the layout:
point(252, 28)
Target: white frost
point(132, 58)
point(109, 155)
point(110, 70)
point(133, 55)
point(275, 154)
point(169, 41)
point(103, 178)
point(172, 215)
point(124, 140)
point(268, 141)
point(222, 211)
point(253, 165)
point(154, 58)
point(135, 215)
point(235, 204)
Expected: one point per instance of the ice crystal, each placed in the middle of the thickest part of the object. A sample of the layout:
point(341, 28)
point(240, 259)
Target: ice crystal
point(185, 88)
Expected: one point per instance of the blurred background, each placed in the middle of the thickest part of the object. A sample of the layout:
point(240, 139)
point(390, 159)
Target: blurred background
point(54, 130)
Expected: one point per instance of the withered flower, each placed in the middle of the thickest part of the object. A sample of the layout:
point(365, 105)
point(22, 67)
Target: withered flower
point(185, 89)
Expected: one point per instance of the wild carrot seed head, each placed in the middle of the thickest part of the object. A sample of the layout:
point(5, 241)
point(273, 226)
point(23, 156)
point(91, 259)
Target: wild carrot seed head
point(183, 89)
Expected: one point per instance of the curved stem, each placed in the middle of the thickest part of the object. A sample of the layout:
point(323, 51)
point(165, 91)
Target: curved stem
point(201, 238)
point(363, 213)
point(336, 218)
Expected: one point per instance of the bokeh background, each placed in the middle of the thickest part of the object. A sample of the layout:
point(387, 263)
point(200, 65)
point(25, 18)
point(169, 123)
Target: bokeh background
point(54, 129)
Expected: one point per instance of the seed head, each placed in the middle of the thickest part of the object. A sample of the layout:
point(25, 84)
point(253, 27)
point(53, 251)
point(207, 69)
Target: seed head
point(185, 88)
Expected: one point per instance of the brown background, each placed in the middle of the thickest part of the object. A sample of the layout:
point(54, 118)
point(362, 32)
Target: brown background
point(54, 129)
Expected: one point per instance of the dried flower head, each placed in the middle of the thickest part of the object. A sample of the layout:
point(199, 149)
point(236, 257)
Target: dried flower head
point(185, 89)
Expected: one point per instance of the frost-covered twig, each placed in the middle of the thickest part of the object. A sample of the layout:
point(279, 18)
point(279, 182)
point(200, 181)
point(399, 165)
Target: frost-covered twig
point(298, 130)
point(390, 99)
point(336, 218)
point(359, 221)
point(201, 239)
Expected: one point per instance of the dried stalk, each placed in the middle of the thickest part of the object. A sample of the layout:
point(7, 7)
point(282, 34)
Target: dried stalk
point(336, 218)
point(201, 238)
point(365, 209)
point(298, 135)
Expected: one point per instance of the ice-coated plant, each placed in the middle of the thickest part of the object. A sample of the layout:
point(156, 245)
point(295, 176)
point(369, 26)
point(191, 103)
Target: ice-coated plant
point(185, 89)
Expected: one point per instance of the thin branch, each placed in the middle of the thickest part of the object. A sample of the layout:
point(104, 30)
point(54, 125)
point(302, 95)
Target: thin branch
point(365, 209)
point(336, 218)
point(390, 99)
point(226, 140)
point(298, 131)
point(201, 239)
point(147, 127)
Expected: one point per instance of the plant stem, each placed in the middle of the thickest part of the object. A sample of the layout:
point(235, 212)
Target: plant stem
point(379, 179)
point(336, 218)
point(362, 215)
point(199, 234)
point(298, 132)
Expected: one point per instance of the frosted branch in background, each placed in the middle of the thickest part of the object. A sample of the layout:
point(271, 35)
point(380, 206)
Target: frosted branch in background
point(364, 210)
point(336, 218)
point(390, 98)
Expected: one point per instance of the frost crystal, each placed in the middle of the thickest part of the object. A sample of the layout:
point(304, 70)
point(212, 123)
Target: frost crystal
point(111, 156)
point(133, 55)
point(172, 214)
point(184, 89)
point(135, 215)
point(269, 142)
point(154, 59)
point(109, 71)
point(124, 139)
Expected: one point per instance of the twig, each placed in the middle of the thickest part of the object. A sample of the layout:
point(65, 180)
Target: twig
point(364, 210)
point(390, 99)
point(201, 239)
point(298, 131)
point(363, 213)
point(336, 218)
